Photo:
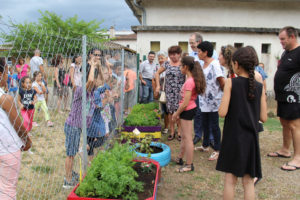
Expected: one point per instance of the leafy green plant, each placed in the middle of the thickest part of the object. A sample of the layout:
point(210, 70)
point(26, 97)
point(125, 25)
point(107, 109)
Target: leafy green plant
point(145, 145)
point(111, 175)
point(143, 115)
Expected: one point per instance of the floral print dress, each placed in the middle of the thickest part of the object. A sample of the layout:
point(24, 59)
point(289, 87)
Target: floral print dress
point(174, 81)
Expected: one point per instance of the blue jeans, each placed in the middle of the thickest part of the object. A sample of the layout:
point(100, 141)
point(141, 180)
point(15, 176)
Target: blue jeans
point(210, 121)
point(198, 127)
point(147, 95)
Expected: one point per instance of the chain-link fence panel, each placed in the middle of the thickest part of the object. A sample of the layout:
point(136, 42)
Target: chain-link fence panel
point(69, 96)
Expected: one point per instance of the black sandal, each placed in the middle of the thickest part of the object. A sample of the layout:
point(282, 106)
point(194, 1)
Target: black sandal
point(171, 137)
point(179, 161)
point(186, 168)
point(179, 138)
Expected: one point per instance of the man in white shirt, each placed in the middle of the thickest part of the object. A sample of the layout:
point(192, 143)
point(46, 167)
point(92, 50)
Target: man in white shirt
point(194, 40)
point(147, 70)
point(36, 64)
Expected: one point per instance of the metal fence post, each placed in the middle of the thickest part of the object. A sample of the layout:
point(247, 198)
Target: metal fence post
point(122, 87)
point(137, 84)
point(84, 128)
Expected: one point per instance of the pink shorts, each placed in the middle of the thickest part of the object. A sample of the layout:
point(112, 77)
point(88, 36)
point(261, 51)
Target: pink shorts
point(9, 172)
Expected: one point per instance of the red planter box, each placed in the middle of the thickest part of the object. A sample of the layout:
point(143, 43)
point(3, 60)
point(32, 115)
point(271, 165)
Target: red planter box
point(73, 196)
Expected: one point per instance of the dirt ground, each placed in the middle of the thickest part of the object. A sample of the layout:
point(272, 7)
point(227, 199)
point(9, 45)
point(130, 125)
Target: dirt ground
point(42, 171)
point(207, 183)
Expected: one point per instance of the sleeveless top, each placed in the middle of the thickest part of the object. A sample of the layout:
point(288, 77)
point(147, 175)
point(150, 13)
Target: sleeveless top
point(61, 77)
point(9, 139)
point(240, 152)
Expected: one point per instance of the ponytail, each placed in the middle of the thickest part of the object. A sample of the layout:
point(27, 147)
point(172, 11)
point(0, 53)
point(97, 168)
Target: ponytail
point(247, 59)
point(197, 73)
point(251, 94)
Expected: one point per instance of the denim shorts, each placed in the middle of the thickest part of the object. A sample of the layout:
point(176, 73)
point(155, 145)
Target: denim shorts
point(72, 139)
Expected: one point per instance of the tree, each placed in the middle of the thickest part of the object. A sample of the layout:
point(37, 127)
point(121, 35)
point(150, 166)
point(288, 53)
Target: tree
point(52, 35)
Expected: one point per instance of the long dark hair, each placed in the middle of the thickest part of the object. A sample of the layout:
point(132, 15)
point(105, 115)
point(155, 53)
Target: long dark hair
point(57, 60)
point(246, 59)
point(197, 73)
point(2, 64)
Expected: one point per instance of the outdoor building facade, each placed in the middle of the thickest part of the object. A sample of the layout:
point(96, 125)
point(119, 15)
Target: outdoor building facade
point(222, 22)
point(124, 38)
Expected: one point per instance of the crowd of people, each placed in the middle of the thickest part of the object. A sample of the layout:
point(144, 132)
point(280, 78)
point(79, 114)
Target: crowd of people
point(202, 87)
point(193, 89)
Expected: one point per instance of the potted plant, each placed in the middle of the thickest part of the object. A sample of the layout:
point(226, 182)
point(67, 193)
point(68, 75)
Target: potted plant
point(114, 174)
point(155, 150)
point(145, 118)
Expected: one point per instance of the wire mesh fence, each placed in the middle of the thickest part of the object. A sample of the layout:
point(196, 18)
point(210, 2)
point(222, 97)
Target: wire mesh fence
point(70, 94)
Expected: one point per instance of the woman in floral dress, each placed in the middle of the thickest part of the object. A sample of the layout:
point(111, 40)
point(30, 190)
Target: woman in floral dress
point(174, 81)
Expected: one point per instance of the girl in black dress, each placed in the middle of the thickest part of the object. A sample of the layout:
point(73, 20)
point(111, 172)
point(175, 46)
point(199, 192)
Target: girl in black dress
point(243, 105)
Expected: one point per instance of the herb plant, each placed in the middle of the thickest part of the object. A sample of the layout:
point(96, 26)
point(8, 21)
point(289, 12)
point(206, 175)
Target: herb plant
point(111, 175)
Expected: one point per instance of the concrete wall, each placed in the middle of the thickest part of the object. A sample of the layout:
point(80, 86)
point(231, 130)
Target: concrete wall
point(222, 13)
point(168, 39)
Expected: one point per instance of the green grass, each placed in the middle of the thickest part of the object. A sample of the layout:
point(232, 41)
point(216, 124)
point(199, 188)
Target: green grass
point(273, 124)
point(43, 169)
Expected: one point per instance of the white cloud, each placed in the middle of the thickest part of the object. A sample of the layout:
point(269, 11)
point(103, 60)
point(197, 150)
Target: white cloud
point(114, 12)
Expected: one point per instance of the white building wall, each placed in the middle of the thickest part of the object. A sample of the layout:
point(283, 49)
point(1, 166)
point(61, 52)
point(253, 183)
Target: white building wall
point(222, 13)
point(168, 39)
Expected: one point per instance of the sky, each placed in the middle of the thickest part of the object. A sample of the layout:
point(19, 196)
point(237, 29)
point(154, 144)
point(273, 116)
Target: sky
point(113, 12)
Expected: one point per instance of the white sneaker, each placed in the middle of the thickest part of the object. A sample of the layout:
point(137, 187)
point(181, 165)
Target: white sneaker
point(50, 124)
point(165, 131)
point(201, 148)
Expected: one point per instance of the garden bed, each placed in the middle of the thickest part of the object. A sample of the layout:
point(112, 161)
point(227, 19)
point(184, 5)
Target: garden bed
point(145, 118)
point(149, 180)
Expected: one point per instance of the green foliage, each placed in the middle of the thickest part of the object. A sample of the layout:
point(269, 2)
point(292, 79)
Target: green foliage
point(111, 175)
point(143, 115)
point(51, 34)
point(145, 145)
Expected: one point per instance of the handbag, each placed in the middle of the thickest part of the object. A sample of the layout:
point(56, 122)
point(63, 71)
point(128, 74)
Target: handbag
point(66, 79)
point(163, 98)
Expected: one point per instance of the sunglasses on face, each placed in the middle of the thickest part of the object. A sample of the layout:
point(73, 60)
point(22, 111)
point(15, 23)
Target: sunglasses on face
point(97, 55)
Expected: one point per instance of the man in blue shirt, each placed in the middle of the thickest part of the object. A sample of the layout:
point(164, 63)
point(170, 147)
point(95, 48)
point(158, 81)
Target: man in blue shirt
point(147, 71)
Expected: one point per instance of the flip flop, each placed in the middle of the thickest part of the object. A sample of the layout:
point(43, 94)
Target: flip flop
point(277, 155)
point(287, 164)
